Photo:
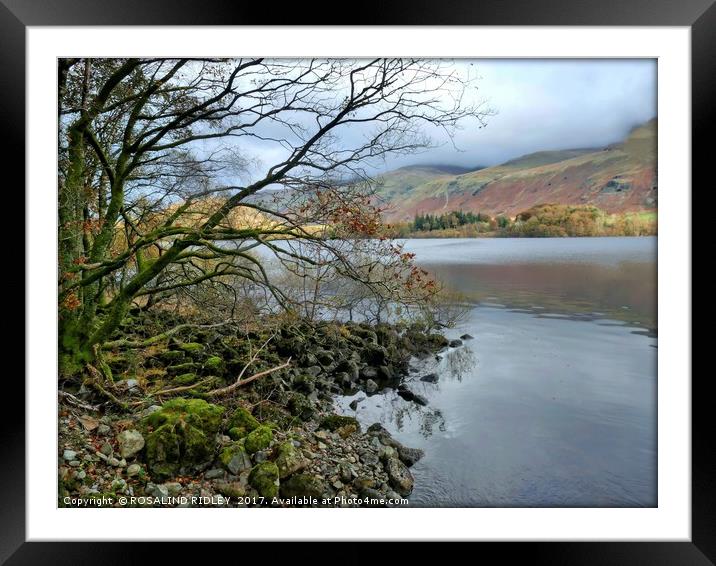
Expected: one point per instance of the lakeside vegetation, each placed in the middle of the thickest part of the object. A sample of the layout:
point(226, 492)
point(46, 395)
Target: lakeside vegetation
point(544, 220)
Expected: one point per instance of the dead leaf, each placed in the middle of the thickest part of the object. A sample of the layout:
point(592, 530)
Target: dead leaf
point(89, 423)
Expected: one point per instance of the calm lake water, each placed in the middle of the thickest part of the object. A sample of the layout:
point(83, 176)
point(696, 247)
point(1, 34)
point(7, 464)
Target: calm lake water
point(553, 403)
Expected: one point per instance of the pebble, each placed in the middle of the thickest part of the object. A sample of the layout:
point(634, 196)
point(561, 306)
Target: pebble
point(75, 463)
point(103, 430)
point(106, 449)
point(69, 455)
point(113, 461)
point(133, 470)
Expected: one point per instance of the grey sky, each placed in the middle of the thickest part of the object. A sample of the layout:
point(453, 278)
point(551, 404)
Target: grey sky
point(541, 104)
point(551, 104)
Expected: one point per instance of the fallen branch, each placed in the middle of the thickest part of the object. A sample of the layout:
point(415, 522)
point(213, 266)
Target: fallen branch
point(159, 337)
point(72, 400)
point(96, 381)
point(241, 382)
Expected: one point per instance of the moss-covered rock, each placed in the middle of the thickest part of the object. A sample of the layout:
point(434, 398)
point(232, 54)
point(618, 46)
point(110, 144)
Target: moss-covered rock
point(301, 407)
point(303, 485)
point(214, 364)
point(185, 378)
point(171, 356)
point(191, 348)
point(289, 460)
point(181, 368)
point(334, 422)
point(183, 437)
point(258, 439)
point(234, 458)
point(241, 418)
point(264, 478)
point(237, 433)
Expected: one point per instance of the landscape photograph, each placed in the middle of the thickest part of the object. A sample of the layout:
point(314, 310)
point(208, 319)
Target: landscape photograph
point(356, 283)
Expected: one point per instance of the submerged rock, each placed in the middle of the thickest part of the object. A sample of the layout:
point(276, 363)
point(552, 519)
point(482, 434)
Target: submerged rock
point(466, 337)
point(430, 378)
point(455, 343)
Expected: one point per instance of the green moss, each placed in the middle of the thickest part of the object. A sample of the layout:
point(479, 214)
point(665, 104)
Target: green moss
point(289, 460)
point(214, 363)
point(264, 479)
point(191, 347)
point(303, 485)
point(237, 432)
point(334, 422)
point(241, 418)
point(183, 437)
point(258, 439)
point(185, 379)
point(234, 458)
point(171, 356)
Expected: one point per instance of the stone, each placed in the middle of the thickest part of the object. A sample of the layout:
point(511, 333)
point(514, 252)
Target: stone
point(409, 456)
point(430, 378)
point(289, 460)
point(103, 430)
point(334, 422)
point(466, 337)
point(399, 476)
point(173, 488)
point(182, 439)
point(234, 458)
point(130, 443)
point(133, 470)
point(156, 490)
point(69, 455)
point(371, 386)
point(113, 462)
point(455, 343)
point(75, 463)
point(119, 484)
point(369, 373)
point(264, 479)
point(303, 485)
point(106, 449)
point(258, 439)
point(214, 473)
point(242, 419)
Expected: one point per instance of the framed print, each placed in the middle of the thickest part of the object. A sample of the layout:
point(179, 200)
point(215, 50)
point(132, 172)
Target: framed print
point(402, 280)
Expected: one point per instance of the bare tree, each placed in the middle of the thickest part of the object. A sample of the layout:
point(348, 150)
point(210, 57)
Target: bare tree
point(154, 172)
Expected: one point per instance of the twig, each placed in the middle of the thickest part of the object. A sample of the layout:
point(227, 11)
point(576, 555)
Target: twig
point(241, 382)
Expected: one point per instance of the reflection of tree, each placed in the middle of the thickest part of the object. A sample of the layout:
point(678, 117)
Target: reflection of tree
point(429, 419)
point(459, 362)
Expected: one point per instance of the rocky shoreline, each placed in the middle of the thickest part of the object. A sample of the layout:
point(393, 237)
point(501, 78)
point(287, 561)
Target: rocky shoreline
point(275, 442)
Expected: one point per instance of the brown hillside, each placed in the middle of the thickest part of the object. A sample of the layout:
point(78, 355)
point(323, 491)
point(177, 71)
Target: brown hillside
point(619, 178)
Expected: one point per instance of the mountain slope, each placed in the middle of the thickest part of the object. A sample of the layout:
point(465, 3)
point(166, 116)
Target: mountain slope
point(618, 178)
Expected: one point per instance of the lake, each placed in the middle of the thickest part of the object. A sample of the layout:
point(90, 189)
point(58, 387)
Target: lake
point(553, 401)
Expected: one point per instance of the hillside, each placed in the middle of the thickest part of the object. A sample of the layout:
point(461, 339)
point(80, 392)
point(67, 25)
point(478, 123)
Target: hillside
point(618, 178)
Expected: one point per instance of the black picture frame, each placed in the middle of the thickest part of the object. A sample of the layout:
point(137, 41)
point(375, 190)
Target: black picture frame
point(699, 15)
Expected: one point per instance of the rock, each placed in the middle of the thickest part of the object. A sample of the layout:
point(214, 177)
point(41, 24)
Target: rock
point(264, 478)
point(408, 395)
point(399, 476)
point(377, 428)
point(371, 386)
point(234, 458)
point(305, 383)
point(258, 439)
point(75, 463)
point(106, 449)
point(466, 337)
point(130, 442)
point(301, 407)
point(113, 462)
point(386, 373)
point(289, 460)
point(132, 384)
point(154, 490)
point(346, 430)
point(214, 473)
point(103, 430)
point(369, 373)
point(334, 422)
point(303, 485)
point(182, 441)
point(409, 456)
point(70, 454)
point(133, 470)
point(354, 404)
point(173, 488)
point(241, 423)
point(192, 348)
point(230, 489)
point(185, 378)
point(430, 378)
point(314, 371)
point(455, 343)
point(386, 453)
point(214, 364)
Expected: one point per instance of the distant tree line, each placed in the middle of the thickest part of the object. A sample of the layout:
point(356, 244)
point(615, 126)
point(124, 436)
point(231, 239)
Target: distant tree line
point(542, 220)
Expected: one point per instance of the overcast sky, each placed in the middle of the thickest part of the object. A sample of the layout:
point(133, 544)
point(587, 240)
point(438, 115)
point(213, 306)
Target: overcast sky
point(550, 104)
point(540, 104)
